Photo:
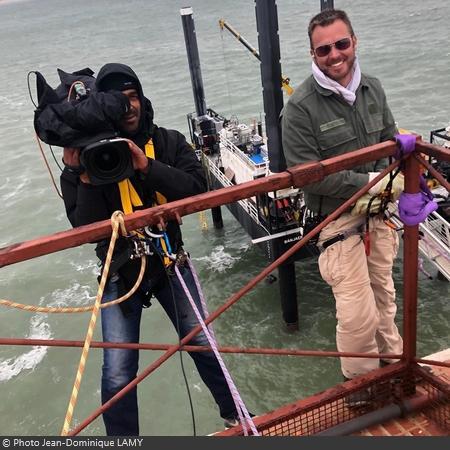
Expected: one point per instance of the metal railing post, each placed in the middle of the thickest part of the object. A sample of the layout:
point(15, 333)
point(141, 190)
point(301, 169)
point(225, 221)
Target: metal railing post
point(410, 267)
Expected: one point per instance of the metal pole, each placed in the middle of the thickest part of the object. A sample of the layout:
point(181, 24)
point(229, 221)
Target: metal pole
point(190, 39)
point(206, 348)
point(288, 295)
point(284, 80)
point(216, 214)
point(326, 4)
point(410, 267)
point(269, 50)
point(223, 24)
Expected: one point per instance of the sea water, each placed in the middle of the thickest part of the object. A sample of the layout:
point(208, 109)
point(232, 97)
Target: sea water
point(403, 43)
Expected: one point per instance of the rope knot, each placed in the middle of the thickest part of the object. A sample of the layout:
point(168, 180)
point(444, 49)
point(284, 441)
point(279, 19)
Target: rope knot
point(117, 220)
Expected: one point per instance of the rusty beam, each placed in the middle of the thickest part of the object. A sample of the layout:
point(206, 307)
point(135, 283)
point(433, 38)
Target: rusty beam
point(361, 156)
point(296, 176)
point(439, 177)
point(441, 384)
point(196, 348)
point(304, 174)
point(432, 362)
point(436, 151)
point(151, 216)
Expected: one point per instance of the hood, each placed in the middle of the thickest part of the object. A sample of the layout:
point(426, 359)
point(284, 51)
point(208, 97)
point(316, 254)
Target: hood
point(146, 125)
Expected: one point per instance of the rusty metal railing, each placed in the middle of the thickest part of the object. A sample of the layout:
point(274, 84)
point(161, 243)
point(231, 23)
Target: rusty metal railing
point(322, 411)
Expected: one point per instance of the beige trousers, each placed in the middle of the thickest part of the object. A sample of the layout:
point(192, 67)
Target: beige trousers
point(364, 291)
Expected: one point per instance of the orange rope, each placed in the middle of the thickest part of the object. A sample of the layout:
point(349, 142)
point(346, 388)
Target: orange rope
point(116, 221)
point(57, 310)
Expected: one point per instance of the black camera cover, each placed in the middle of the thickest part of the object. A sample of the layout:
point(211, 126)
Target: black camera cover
point(76, 122)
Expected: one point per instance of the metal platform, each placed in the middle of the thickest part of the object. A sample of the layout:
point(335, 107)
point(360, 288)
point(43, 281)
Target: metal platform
point(404, 401)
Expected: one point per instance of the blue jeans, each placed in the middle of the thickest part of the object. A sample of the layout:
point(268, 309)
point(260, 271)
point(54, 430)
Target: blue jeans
point(120, 366)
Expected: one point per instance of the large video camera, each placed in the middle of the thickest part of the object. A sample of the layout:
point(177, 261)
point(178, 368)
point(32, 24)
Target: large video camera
point(107, 161)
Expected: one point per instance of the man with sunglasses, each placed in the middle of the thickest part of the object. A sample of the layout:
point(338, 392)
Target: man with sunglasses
point(337, 110)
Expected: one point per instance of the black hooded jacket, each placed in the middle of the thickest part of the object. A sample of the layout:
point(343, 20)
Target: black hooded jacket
point(176, 173)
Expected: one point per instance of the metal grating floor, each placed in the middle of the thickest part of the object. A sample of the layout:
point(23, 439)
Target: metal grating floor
point(393, 392)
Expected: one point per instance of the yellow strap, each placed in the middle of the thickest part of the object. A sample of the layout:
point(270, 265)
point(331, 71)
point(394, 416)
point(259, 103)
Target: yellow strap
point(150, 153)
point(150, 149)
point(160, 199)
point(128, 196)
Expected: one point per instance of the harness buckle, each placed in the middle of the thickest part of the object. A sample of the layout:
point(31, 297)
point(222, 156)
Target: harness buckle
point(139, 247)
point(181, 257)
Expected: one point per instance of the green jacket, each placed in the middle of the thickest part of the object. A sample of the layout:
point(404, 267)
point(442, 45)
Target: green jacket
point(318, 124)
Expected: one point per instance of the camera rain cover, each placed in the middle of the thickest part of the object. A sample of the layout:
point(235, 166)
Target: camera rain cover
point(76, 122)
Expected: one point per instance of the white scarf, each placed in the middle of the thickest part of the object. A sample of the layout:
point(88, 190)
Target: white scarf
point(349, 92)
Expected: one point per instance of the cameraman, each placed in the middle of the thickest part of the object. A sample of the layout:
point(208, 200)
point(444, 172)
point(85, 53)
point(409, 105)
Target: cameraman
point(173, 172)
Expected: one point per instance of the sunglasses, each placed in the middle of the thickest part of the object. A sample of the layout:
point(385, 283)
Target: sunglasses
point(342, 44)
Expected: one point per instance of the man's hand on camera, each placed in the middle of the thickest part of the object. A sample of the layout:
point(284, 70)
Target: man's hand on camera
point(140, 161)
point(71, 156)
point(71, 159)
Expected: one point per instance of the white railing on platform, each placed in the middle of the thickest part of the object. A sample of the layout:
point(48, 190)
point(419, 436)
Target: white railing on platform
point(258, 169)
point(247, 204)
point(435, 242)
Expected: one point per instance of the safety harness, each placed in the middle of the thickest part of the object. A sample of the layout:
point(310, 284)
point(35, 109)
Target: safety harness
point(363, 229)
point(341, 237)
point(130, 199)
point(385, 197)
point(413, 208)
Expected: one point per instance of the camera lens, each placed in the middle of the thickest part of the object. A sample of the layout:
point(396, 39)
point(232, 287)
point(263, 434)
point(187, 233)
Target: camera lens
point(107, 161)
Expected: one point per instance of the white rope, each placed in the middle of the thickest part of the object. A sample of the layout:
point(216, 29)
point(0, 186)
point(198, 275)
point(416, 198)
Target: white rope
point(244, 416)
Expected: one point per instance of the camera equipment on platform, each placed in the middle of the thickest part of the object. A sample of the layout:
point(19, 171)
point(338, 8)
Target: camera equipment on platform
point(107, 161)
